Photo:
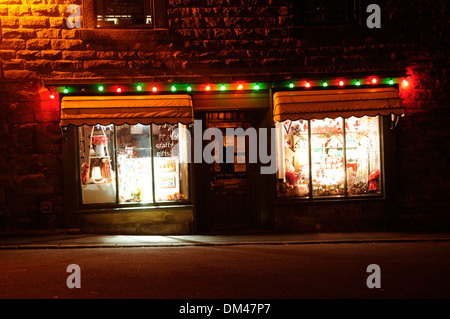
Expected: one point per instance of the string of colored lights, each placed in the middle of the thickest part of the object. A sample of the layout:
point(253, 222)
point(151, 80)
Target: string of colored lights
point(237, 86)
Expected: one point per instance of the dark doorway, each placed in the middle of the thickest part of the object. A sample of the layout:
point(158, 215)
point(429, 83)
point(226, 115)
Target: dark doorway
point(230, 187)
point(226, 191)
point(232, 196)
point(229, 191)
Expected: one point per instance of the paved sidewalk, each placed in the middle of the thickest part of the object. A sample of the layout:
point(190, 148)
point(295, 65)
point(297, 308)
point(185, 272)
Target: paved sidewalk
point(73, 239)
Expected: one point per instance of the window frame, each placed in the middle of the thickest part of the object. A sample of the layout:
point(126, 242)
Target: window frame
point(129, 205)
point(159, 17)
point(345, 197)
point(131, 26)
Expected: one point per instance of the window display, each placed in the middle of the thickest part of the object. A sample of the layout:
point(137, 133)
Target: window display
point(295, 165)
point(329, 157)
point(363, 155)
point(97, 164)
point(170, 158)
point(133, 163)
point(327, 150)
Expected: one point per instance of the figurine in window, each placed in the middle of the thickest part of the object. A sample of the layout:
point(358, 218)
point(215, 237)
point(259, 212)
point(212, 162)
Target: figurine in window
point(288, 156)
point(374, 180)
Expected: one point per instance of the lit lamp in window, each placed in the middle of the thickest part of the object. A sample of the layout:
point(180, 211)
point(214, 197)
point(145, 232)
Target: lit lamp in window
point(96, 173)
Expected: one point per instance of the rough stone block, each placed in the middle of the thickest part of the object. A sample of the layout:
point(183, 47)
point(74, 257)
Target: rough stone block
point(7, 54)
point(3, 10)
point(10, 22)
point(34, 22)
point(104, 64)
point(13, 64)
point(43, 117)
point(58, 22)
point(18, 33)
point(60, 75)
point(19, 10)
point(38, 65)
point(78, 55)
point(28, 54)
point(65, 65)
point(48, 33)
point(48, 10)
point(59, 44)
point(106, 55)
point(39, 44)
point(10, 2)
point(70, 34)
point(51, 54)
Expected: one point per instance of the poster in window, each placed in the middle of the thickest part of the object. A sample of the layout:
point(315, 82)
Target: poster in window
point(167, 178)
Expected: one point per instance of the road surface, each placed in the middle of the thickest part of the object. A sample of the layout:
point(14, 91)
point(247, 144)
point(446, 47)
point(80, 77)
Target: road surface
point(406, 270)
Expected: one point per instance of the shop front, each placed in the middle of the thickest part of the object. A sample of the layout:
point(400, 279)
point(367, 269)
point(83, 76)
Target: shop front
point(334, 155)
point(138, 164)
point(126, 165)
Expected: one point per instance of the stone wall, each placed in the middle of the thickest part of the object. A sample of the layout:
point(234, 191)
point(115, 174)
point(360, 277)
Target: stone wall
point(235, 37)
point(220, 40)
point(422, 140)
point(31, 185)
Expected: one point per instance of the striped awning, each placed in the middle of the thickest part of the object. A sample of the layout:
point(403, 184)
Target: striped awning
point(118, 110)
point(320, 104)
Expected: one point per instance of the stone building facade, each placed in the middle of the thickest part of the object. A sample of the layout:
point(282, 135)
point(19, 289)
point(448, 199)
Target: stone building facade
point(215, 41)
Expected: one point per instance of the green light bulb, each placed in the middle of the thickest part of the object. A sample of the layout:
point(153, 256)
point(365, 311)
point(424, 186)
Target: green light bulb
point(222, 87)
point(100, 88)
point(325, 84)
point(358, 83)
point(256, 87)
point(139, 88)
point(66, 90)
point(174, 88)
point(291, 85)
point(391, 81)
point(189, 88)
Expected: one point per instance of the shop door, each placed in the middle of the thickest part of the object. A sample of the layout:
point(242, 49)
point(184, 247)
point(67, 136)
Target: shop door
point(229, 204)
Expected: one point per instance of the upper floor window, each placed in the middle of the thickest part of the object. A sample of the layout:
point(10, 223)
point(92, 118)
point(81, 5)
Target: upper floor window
point(326, 12)
point(123, 13)
point(129, 13)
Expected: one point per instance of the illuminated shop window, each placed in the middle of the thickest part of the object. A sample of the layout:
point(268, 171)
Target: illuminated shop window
point(129, 164)
point(134, 163)
point(97, 173)
point(170, 162)
point(329, 157)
